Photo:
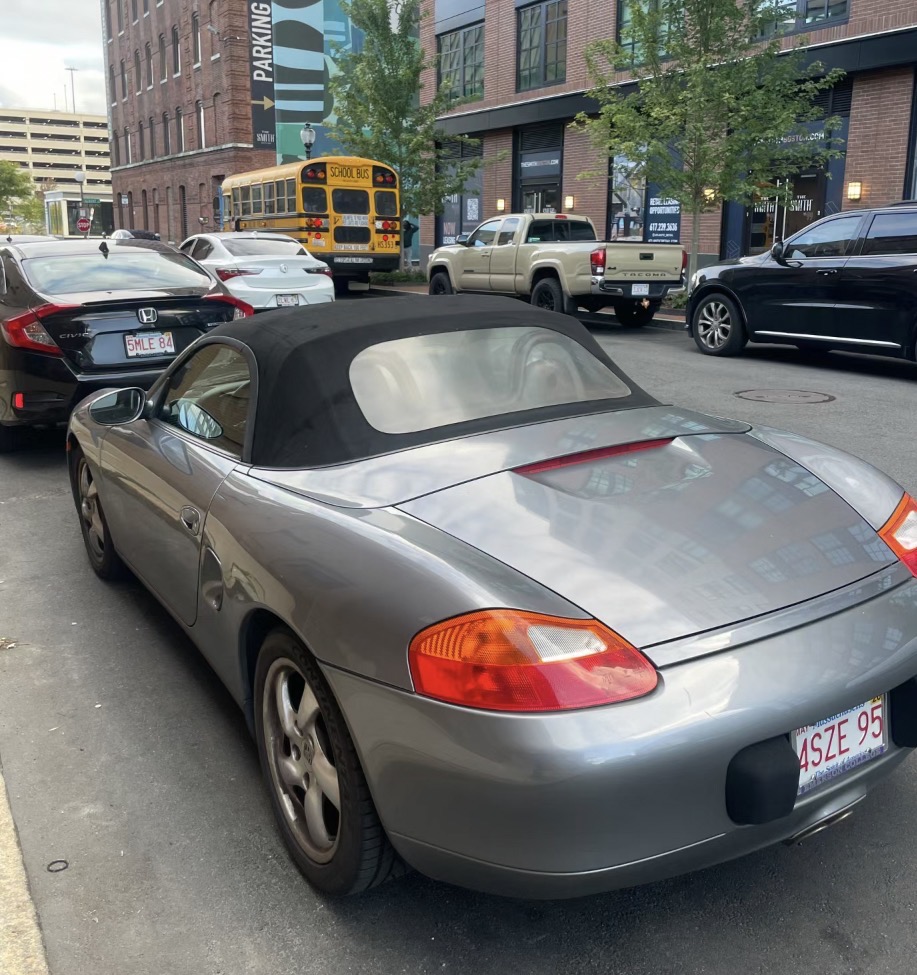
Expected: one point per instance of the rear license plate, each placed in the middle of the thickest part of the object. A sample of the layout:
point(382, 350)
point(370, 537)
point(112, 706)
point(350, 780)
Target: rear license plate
point(283, 300)
point(149, 343)
point(837, 745)
point(639, 289)
point(353, 260)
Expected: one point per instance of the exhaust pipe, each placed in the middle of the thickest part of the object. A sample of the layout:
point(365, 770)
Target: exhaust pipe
point(820, 826)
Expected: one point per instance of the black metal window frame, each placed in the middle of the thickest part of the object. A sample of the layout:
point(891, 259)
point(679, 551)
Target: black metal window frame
point(805, 15)
point(461, 61)
point(541, 47)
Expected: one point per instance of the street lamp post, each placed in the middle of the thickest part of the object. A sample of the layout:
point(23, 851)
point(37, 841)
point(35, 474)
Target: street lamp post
point(80, 177)
point(308, 139)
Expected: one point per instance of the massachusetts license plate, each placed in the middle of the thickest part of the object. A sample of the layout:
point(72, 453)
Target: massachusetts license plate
point(149, 343)
point(639, 289)
point(837, 745)
point(283, 300)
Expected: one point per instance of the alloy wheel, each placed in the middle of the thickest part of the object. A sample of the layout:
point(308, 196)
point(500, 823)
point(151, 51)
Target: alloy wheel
point(545, 300)
point(90, 511)
point(713, 325)
point(301, 761)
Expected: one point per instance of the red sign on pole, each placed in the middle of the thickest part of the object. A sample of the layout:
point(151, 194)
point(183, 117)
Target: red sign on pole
point(83, 225)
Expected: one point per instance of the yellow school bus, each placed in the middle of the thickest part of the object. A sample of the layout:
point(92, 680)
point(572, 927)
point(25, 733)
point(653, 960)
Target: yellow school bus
point(343, 209)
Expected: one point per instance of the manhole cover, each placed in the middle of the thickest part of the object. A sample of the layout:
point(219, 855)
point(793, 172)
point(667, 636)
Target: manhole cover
point(791, 396)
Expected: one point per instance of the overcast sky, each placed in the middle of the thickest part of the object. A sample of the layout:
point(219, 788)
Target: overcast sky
point(39, 40)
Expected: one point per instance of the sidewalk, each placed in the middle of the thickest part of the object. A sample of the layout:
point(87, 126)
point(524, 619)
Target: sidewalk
point(670, 318)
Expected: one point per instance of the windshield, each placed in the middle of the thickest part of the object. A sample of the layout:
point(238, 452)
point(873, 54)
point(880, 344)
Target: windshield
point(124, 269)
point(258, 247)
point(425, 381)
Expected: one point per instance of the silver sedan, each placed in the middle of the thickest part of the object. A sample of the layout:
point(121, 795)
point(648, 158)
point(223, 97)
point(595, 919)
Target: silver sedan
point(494, 612)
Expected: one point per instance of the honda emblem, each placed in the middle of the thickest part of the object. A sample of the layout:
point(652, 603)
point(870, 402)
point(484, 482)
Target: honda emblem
point(147, 316)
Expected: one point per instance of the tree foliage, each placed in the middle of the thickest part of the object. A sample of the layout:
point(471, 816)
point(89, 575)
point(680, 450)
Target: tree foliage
point(21, 206)
point(15, 184)
point(378, 104)
point(719, 111)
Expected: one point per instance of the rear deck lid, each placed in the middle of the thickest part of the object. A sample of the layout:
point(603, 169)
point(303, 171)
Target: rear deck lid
point(691, 534)
point(131, 331)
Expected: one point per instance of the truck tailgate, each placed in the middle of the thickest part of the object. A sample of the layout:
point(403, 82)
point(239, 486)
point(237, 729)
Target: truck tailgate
point(643, 262)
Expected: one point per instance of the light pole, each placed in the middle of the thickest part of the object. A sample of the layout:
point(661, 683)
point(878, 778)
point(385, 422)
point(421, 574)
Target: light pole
point(308, 139)
point(80, 177)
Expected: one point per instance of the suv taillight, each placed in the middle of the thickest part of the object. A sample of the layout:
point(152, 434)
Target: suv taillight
point(25, 331)
point(597, 260)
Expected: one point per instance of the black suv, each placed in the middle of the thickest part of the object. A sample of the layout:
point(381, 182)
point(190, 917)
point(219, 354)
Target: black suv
point(848, 281)
point(78, 315)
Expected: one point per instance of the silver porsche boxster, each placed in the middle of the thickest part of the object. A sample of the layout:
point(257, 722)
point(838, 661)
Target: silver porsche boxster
point(494, 612)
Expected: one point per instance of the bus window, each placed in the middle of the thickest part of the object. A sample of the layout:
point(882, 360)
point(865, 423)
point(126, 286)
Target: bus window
point(291, 196)
point(227, 208)
point(386, 203)
point(256, 198)
point(350, 201)
point(268, 198)
point(281, 196)
point(246, 201)
point(314, 199)
point(236, 201)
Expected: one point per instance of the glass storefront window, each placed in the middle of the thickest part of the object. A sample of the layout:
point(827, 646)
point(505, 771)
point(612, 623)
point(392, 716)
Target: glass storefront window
point(627, 191)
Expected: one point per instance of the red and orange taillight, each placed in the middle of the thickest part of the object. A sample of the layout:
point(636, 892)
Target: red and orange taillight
point(511, 660)
point(900, 532)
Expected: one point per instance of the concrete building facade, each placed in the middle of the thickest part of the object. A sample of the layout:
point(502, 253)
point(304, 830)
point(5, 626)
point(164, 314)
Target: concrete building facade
point(53, 147)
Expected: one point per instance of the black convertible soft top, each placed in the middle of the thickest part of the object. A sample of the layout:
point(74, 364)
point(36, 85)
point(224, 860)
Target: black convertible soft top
point(306, 414)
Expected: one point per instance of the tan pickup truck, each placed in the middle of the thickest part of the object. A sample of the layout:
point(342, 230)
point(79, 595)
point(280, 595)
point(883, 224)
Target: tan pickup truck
point(555, 261)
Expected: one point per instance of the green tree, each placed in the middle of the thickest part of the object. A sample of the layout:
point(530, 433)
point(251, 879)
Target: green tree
point(15, 184)
point(719, 112)
point(29, 213)
point(378, 105)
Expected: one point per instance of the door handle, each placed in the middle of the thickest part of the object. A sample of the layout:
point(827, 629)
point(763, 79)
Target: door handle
point(824, 271)
point(191, 519)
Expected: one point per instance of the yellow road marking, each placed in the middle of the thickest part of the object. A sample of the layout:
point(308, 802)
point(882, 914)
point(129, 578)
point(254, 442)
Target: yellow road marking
point(21, 949)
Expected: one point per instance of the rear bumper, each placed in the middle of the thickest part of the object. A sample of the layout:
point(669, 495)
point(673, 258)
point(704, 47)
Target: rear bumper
point(621, 290)
point(265, 299)
point(51, 387)
point(575, 803)
point(359, 266)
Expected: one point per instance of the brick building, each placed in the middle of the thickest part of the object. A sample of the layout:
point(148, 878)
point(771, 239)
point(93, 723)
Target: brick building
point(522, 64)
point(180, 109)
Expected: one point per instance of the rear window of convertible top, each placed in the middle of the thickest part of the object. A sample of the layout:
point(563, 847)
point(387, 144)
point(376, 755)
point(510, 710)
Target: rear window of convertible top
point(426, 381)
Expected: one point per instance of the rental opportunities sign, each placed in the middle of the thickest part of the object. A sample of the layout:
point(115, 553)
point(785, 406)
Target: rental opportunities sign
point(261, 53)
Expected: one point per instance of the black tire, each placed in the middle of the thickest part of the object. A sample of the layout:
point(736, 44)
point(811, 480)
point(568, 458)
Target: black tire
point(548, 294)
point(633, 313)
point(100, 549)
point(440, 284)
point(359, 855)
point(717, 325)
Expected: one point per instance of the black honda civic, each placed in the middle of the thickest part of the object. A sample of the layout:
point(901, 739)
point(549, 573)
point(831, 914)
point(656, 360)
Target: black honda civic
point(80, 315)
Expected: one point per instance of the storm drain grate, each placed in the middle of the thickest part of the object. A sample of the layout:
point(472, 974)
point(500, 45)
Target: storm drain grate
point(793, 397)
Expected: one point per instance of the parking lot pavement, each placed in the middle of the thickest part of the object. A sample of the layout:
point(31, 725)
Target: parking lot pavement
point(124, 757)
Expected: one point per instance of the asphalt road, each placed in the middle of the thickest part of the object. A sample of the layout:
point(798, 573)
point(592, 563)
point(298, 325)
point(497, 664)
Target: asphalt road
point(123, 756)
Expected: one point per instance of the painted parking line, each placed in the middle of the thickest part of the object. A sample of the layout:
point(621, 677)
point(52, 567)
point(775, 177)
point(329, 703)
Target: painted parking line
point(22, 951)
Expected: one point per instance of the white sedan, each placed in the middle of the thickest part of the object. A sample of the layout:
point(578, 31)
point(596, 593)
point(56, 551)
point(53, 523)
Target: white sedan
point(266, 270)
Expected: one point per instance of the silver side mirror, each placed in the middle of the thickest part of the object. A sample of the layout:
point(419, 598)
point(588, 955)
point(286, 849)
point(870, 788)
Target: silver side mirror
point(122, 406)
